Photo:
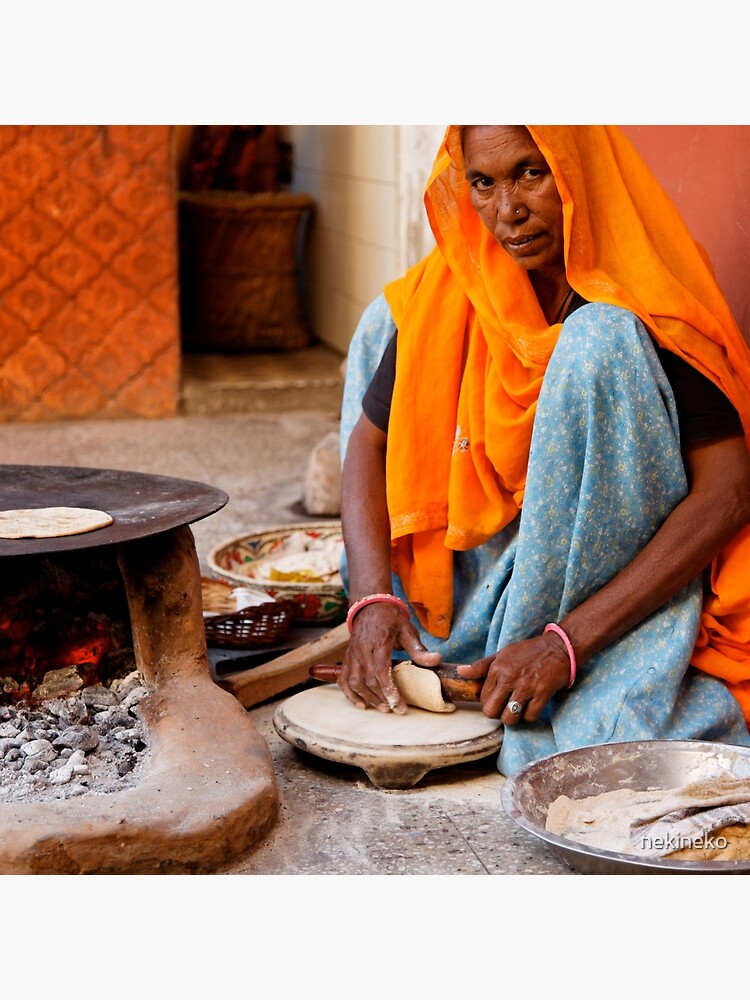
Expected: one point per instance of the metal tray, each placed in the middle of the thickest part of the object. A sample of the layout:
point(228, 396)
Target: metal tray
point(527, 795)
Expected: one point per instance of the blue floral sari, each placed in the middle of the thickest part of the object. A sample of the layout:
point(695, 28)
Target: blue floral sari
point(600, 483)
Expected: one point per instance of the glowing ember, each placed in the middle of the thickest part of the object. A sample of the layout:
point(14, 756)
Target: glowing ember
point(63, 622)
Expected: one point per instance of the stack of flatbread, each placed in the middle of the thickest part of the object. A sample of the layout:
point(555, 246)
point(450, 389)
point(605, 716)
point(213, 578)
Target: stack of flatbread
point(300, 559)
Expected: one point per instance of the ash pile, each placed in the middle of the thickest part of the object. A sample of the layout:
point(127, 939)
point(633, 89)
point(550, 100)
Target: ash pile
point(69, 687)
point(93, 741)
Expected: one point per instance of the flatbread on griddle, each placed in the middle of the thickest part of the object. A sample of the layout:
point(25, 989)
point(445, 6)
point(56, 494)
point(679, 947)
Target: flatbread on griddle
point(51, 522)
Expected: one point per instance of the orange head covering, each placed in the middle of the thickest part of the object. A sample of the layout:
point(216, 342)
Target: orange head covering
point(473, 346)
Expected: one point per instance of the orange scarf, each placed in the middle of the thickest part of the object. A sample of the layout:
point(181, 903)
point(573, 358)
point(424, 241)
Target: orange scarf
point(473, 346)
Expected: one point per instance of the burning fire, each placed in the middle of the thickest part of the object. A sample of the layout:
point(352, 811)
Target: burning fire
point(45, 627)
point(25, 658)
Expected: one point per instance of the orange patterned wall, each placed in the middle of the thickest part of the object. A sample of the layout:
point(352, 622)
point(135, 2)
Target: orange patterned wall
point(89, 320)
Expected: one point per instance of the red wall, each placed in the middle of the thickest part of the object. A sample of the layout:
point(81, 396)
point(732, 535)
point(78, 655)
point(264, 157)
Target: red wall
point(705, 169)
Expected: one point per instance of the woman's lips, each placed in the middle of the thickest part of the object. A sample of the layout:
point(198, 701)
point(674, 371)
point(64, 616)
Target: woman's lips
point(525, 246)
point(519, 242)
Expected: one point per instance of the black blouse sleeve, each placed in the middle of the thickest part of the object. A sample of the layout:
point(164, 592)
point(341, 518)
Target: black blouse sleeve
point(704, 412)
point(377, 399)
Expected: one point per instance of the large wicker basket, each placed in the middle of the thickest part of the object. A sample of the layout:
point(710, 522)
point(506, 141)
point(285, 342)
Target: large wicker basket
point(241, 271)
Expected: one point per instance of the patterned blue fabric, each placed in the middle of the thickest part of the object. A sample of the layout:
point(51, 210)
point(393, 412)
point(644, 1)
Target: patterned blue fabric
point(600, 483)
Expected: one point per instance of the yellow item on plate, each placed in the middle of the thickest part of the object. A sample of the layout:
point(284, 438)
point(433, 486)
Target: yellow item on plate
point(294, 576)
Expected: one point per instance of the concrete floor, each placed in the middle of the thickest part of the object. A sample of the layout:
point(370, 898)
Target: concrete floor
point(332, 819)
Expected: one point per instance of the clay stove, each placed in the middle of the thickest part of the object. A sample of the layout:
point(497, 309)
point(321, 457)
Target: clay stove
point(208, 791)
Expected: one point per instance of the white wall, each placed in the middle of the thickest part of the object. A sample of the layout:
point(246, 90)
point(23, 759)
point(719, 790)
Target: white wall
point(418, 146)
point(368, 224)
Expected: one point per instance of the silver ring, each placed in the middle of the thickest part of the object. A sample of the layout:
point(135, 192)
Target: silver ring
point(515, 707)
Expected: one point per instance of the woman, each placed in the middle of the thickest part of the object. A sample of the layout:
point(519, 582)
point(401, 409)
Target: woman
point(549, 480)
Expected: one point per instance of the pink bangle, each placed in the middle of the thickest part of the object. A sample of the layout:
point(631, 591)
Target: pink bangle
point(375, 599)
point(568, 645)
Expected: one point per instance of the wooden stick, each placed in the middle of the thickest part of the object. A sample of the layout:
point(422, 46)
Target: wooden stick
point(260, 683)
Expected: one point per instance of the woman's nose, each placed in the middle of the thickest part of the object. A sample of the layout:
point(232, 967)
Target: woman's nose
point(509, 208)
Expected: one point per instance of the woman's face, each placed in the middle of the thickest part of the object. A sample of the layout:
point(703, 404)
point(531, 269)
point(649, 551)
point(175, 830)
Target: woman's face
point(514, 192)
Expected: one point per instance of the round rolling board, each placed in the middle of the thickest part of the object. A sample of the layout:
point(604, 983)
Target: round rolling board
point(395, 751)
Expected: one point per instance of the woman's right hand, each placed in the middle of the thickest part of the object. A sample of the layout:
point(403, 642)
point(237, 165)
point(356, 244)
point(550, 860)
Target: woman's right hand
point(379, 628)
point(366, 676)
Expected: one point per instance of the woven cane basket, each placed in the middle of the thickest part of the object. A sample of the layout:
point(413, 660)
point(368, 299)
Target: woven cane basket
point(241, 271)
point(258, 625)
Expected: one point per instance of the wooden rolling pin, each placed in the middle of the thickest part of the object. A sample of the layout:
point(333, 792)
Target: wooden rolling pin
point(454, 687)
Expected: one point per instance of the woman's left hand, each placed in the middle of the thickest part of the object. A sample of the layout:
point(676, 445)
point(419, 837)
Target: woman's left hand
point(528, 673)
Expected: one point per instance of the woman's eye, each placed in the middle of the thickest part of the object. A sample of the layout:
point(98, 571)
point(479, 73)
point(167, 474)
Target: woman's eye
point(482, 183)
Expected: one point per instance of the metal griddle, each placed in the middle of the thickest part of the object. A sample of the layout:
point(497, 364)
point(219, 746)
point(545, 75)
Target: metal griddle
point(140, 504)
